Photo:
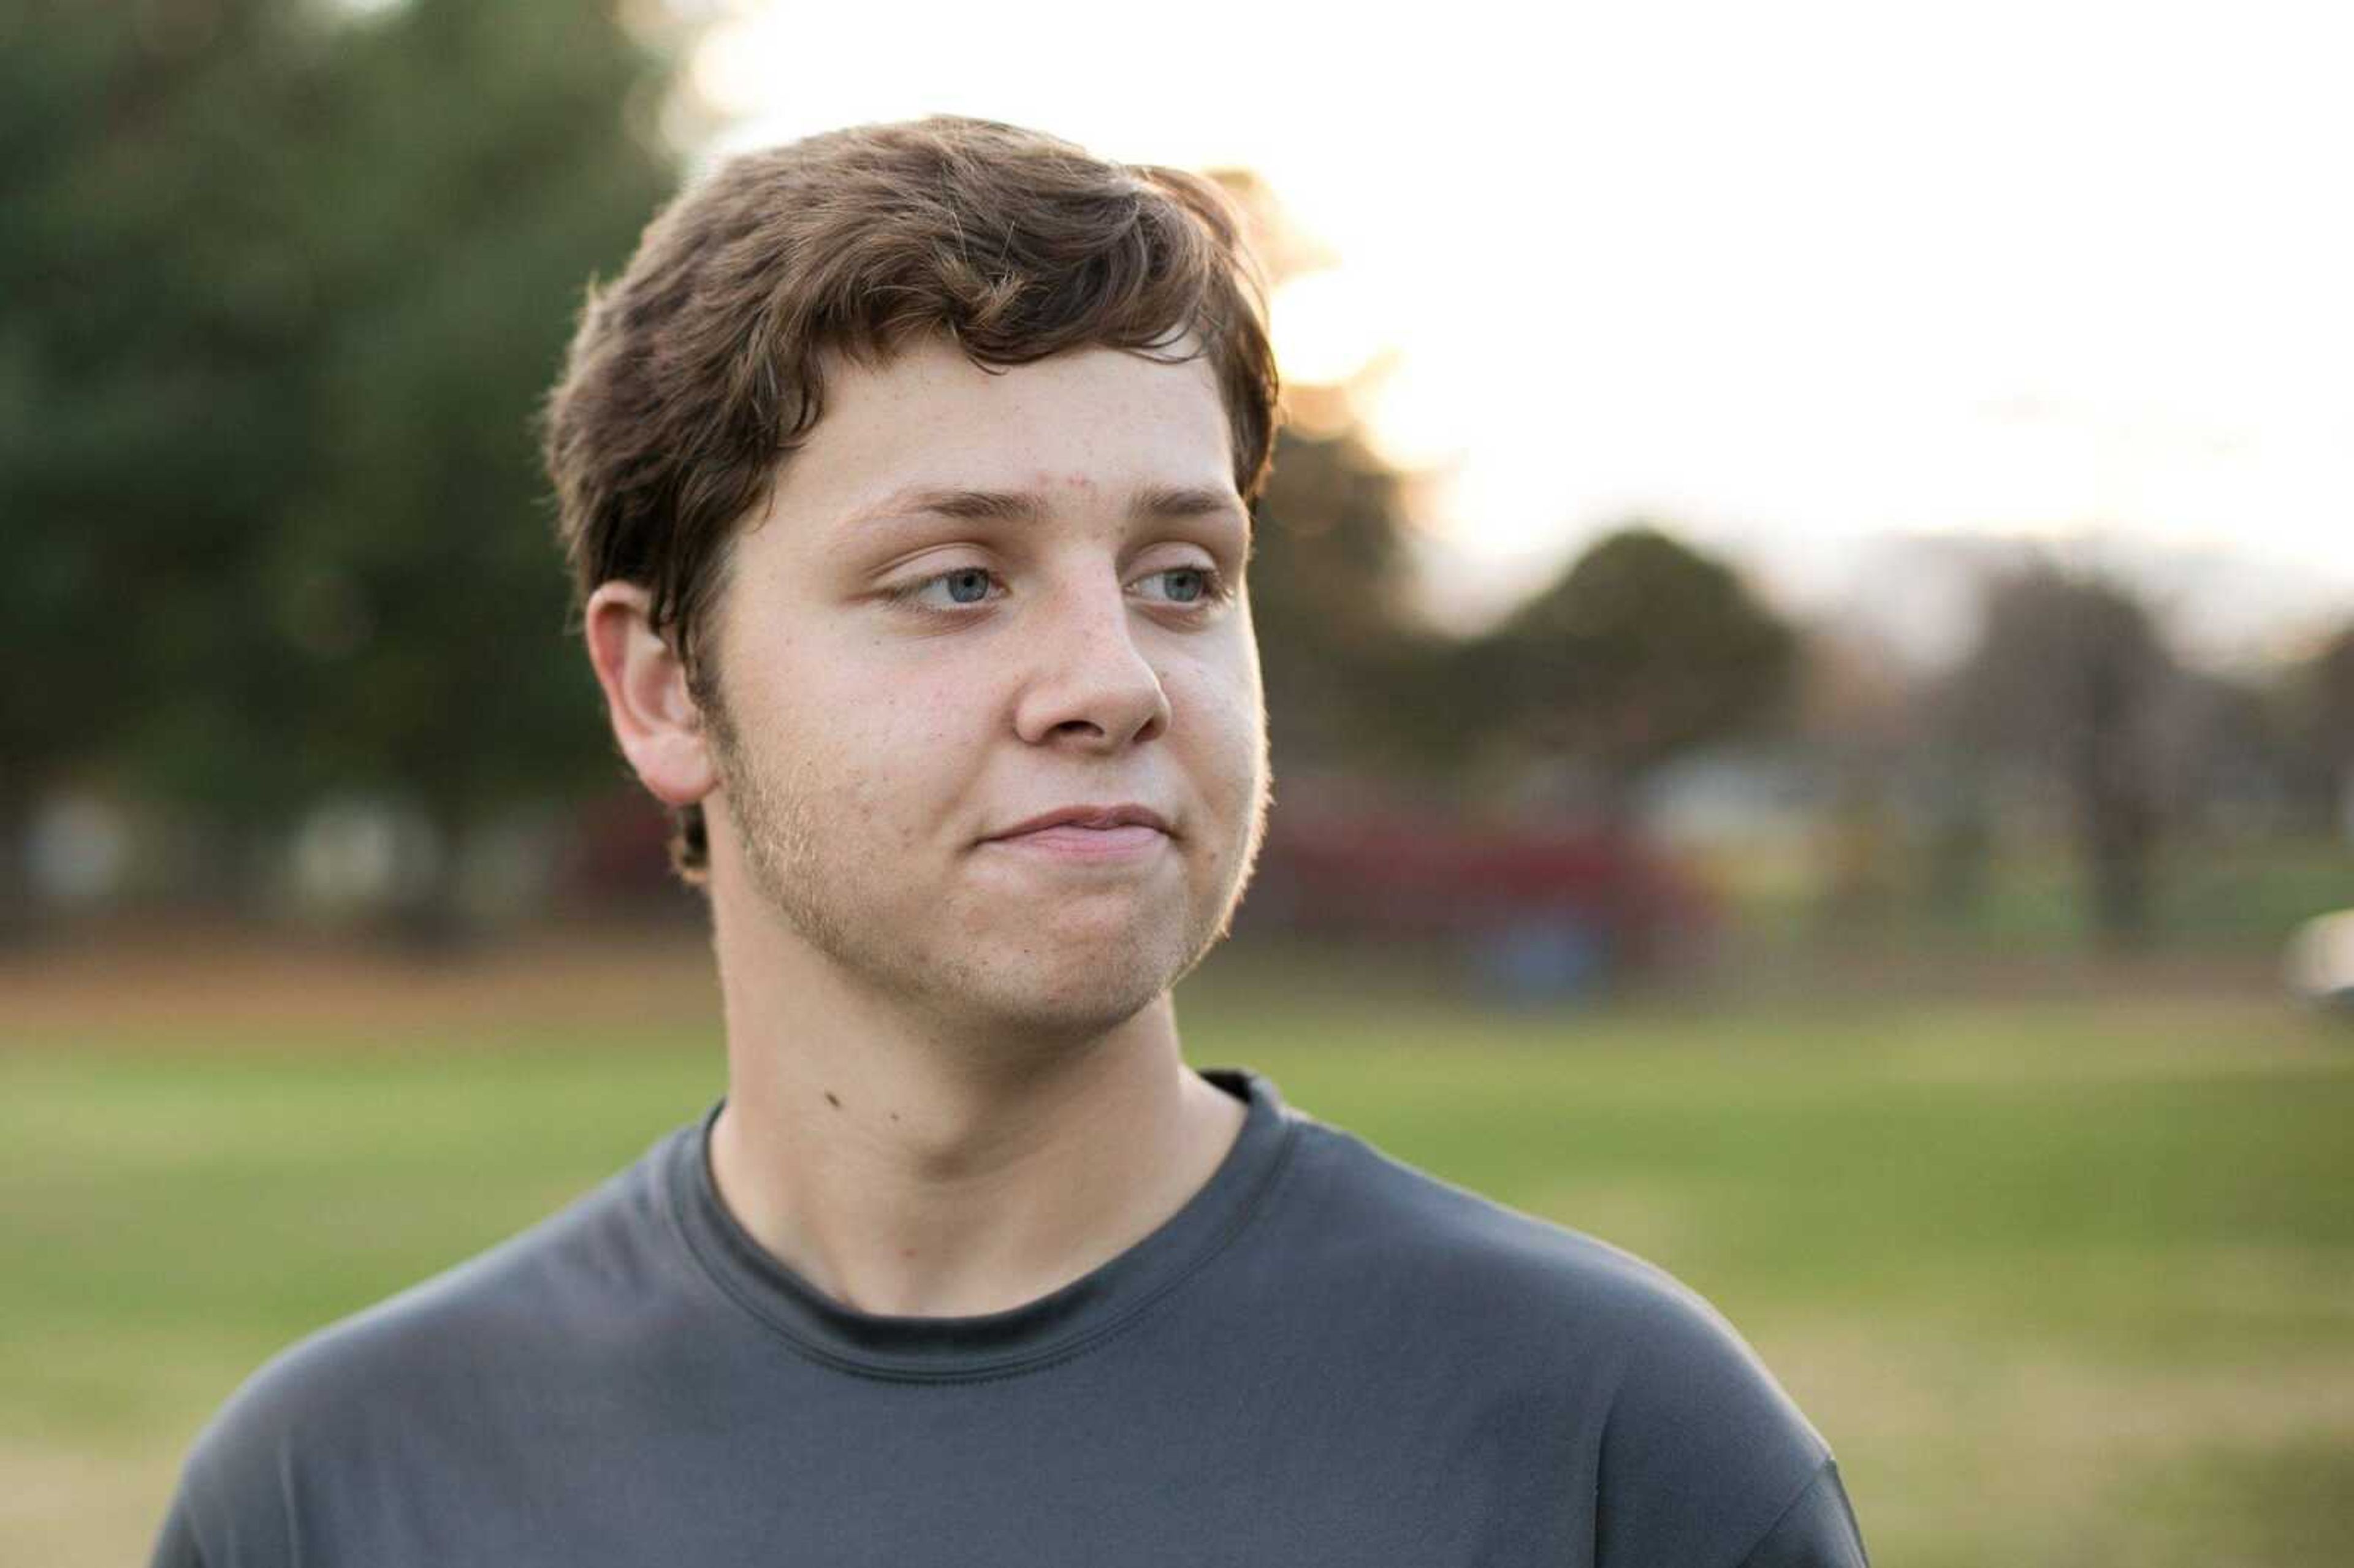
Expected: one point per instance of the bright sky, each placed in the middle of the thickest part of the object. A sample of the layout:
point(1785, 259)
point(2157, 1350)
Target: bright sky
point(1793, 277)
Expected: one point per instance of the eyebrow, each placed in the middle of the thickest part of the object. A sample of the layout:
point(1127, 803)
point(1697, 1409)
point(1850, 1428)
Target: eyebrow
point(1156, 503)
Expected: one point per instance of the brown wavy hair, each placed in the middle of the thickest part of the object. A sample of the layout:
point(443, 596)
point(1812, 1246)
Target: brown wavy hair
point(698, 371)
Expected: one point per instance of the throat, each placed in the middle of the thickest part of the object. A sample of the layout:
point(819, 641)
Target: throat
point(892, 1204)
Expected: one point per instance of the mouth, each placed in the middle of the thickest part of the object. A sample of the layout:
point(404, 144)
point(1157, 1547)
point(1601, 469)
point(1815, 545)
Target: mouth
point(1089, 834)
point(1090, 819)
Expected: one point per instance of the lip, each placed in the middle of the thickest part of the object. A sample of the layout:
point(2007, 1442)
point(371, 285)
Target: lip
point(1089, 835)
point(1093, 818)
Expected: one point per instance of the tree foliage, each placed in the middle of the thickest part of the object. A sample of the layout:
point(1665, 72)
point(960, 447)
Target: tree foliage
point(280, 286)
point(2329, 682)
point(2070, 678)
point(1330, 581)
point(1642, 649)
point(2315, 704)
point(1330, 597)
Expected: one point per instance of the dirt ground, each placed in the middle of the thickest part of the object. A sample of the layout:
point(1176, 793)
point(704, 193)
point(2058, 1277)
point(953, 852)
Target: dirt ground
point(153, 984)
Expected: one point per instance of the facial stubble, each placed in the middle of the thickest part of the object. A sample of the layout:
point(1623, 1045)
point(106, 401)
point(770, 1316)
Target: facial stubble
point(778, 811)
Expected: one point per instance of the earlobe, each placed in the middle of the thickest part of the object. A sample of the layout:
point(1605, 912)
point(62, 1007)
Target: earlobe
point(655, 718)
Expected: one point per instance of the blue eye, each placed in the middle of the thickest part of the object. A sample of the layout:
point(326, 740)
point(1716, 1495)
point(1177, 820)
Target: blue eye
point(1192, 587)
point(967, 588)
point(958, 588)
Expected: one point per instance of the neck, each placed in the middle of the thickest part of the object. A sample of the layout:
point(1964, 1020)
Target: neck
point(905, 1169)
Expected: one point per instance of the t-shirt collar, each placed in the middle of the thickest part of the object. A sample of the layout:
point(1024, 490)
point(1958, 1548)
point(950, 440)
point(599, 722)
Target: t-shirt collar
point(1053, 1327)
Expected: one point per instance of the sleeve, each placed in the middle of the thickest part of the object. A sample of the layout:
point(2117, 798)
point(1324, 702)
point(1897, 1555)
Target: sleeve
point(207, 1531)
point(233, 1506)
point(175, 1544)
point(1704, 1461)
point(1818, 1530)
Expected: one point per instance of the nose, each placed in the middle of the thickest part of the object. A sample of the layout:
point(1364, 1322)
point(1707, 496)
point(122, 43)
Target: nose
point(1090, 687)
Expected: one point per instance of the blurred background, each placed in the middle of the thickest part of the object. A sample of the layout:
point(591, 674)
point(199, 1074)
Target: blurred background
point(1807, 600)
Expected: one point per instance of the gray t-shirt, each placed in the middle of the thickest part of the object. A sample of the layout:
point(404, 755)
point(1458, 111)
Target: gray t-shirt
point(1325, 1358)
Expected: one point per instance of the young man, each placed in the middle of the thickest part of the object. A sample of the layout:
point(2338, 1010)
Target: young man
point(906, 476)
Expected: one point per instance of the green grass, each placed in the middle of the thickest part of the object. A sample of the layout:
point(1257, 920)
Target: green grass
point(2062, 1282)
point(2223, 899)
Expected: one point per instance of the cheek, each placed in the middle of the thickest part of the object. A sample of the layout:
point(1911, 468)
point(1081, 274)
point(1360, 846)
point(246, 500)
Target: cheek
point(1218, 709)
point(902, 753)
point(927, 721)
point(850, 701)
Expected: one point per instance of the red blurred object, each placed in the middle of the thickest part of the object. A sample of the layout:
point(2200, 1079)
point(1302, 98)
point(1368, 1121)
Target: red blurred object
point(1398, 873)
point(1543, 908)
point(620, 852)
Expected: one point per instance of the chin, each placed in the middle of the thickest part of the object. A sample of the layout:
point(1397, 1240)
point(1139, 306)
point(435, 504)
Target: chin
point(1072, 985)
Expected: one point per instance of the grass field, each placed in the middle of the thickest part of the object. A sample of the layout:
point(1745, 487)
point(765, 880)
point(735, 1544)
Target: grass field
point(2065, 1281)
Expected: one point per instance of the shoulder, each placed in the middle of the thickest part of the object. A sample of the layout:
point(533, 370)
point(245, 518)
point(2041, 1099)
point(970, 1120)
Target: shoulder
point(1691, 1441)
point(422, 1371)
point(1368, 1215)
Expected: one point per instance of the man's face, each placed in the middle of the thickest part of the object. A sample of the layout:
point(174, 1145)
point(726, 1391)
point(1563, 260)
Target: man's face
point(978, 600)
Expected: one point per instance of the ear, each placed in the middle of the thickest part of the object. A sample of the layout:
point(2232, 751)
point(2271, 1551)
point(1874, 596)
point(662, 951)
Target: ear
point(654, 718)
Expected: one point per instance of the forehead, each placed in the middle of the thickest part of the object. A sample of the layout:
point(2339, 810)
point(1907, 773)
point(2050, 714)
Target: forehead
point(1096, 424)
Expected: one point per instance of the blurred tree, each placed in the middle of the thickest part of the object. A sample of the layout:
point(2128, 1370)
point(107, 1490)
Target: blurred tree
point(487, 163)
point(148, 429)
point(2225, 766)
point(280, 284)
point(1644, 648)
point(1345, 657)
point(2317, 698)
point(1345, 664)
point(1855, 713)
point(2070, 678)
